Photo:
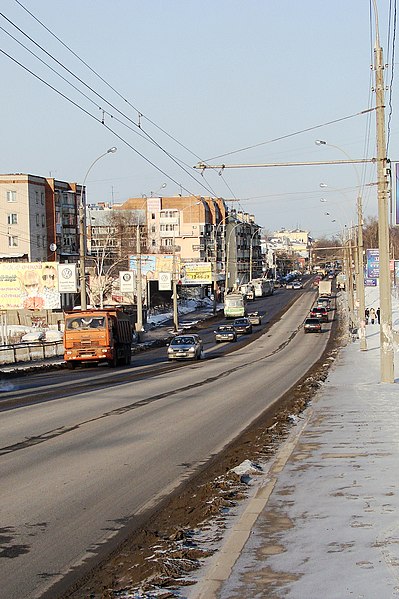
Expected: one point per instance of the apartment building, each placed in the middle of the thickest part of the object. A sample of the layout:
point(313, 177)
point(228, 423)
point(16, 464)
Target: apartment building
point(38, 219)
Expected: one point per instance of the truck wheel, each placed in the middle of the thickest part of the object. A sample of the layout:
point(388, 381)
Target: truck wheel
point(71, 365)
point(128, 358)
point(113, 363)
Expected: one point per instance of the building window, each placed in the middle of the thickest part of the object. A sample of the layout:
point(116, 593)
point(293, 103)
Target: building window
point(37, 220)
point(43, 221)
point(13, 241)
point(153, 243)
point(42, 198)
point(153, 229)
point(153, 215)
point(43, 241)
point(38, 241)
point(11, 196)
point(12, 219)
point(37, 197)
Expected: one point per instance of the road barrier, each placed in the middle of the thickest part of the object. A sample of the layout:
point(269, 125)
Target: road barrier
point(29, 352)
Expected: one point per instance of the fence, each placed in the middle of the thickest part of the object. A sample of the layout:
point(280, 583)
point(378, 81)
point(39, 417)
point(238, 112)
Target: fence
point(29, 352)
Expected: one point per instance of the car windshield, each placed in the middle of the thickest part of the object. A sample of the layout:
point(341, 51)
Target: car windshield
point(312, 321)
point(226, 328)
point(183, 341)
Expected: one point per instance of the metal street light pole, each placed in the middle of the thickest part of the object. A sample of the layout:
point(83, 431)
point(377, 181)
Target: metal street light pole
point(251, 252)
point(360, 266)
point(174, 273)
point(216, 260)
point(82, 233)
point(227, 274)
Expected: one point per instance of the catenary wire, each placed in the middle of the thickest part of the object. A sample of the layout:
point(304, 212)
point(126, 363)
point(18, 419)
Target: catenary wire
point(106, 82)
point(178, 162)
point(288, 135)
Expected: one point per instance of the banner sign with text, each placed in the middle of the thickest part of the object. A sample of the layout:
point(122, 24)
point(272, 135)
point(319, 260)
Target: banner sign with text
point(373, 264)
point(67, 278)
point(127, 281)
point(29, 286)
point(196, 273)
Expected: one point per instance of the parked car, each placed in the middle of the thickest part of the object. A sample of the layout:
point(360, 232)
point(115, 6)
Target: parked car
point(319, 312)
point(185, 347)
point(313, 325)
point(225, 332)
point(289, 285)
point(33, 336)
point(297, 285)
point(242, 325)
point(255, 318)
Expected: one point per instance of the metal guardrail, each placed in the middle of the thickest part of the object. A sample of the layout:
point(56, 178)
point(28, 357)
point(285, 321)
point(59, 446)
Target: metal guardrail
point(29, 352)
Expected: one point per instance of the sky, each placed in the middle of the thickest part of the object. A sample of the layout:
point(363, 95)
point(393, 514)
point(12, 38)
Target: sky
point(172, 83)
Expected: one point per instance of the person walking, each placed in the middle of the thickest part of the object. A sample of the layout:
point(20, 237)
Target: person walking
point(378, 314)
point(366, 315)
point(372, 315)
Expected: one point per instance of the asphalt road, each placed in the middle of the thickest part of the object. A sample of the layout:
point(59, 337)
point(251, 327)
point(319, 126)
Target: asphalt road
point(77, 470)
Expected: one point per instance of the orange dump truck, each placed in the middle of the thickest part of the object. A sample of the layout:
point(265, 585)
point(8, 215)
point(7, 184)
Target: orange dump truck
point(97, 336)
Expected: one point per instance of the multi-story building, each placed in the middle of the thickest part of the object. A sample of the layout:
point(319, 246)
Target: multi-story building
point(38, 218)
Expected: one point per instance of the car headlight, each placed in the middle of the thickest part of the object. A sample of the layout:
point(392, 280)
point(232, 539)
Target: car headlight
point(191, 350)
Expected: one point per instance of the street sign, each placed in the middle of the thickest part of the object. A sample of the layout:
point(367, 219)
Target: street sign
point(164, 281)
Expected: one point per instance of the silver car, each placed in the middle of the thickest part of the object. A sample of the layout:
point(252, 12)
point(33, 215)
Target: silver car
point(186, 347)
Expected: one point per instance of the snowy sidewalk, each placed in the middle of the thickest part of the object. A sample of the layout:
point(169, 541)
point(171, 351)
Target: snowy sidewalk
point(328, 526)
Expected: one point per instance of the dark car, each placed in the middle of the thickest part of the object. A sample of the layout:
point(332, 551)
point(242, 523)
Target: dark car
point(243, 325)
point(319, 312)
point(188, 347)
point(226, 332)
point(313, 325)
point(255, 318)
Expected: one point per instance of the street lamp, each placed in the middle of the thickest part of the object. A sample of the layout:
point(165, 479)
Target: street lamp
point(82, 233)
point(215, 242)
point(174, 274)
point(227, 277)
point(360, 266)
point(153, 193)
point(251, 252)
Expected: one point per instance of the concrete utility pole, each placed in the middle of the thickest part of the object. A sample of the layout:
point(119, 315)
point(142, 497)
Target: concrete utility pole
point(360, 290)
point(139, 291)
point(386, 335)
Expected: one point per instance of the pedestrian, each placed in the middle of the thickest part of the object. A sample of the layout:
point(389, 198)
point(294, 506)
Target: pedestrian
point(378, 315)
point(366, 315)
point(372, 315)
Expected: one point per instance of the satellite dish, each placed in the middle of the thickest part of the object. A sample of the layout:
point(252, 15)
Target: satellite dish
point(53, 247)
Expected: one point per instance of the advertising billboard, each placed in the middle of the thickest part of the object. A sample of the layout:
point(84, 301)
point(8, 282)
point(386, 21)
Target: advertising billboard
point(153, 264)
point(196, 273)
point(373, 264)
point(29, 286)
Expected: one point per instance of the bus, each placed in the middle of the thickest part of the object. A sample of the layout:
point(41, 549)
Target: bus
point(235, 305)
point(263, 287)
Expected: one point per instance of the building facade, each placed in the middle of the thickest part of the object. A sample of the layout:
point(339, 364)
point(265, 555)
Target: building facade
point(38, 218)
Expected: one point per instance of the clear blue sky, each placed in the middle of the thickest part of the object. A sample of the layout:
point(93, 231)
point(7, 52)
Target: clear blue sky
point(217, 76)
